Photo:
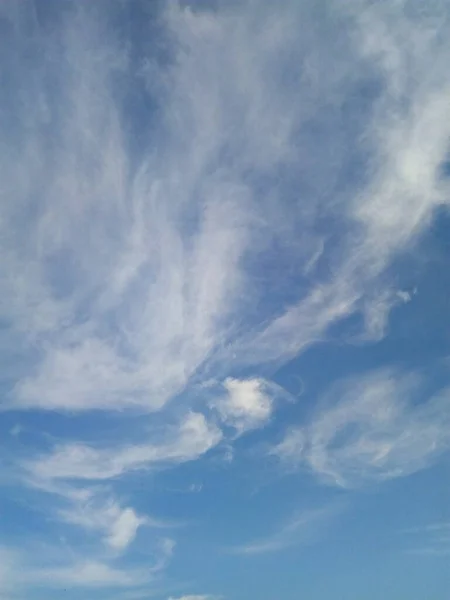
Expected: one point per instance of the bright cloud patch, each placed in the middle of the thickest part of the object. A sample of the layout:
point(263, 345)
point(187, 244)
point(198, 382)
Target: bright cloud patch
point(247, 405)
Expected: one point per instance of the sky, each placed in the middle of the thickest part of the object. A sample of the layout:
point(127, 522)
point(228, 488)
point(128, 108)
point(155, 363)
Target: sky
point(224, 299)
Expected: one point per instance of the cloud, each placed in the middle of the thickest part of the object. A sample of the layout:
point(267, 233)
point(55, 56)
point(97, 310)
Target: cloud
point(124, 529)
point(118, 525)
point(25, 569)
point(125, 313)
point(407, 134)
point(247, 405)
point(142, 268)
point(193, 438)
point(9, 564)
point(20, 572)
point(378, 309)
point(373, 427)
point(88, 574)
point(430, 540)
point(205, 206)
point(303, 528)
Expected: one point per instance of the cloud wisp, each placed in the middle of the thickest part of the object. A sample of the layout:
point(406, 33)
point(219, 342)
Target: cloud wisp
point(302, 529)
point(371, 428)
point(191, 440)
point(430, 540)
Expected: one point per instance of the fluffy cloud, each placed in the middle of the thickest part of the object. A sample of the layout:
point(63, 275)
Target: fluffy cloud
point(248, 404)
point(372, 428)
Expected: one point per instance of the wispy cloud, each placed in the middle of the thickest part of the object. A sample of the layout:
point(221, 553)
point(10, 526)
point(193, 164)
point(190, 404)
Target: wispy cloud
point(372, 427)
point(189, 441)
point(302, 528)
point(89, 575)
point(9, 586)
point(430, 540)
point(52, 569)
point(182, 212)
point(118, 525)
point(162, 276)
point(23, 572)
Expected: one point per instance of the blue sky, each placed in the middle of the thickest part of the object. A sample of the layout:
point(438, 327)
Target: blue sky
point(225, 364)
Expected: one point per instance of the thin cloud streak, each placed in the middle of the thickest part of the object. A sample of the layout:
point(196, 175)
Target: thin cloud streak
point(430, 540)
point(301, 529)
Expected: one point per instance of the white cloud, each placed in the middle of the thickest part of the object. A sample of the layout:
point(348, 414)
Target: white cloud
point(247, 405)
point(193, 438)
point(372, 428)
point(124, 529)
point(118, 525)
